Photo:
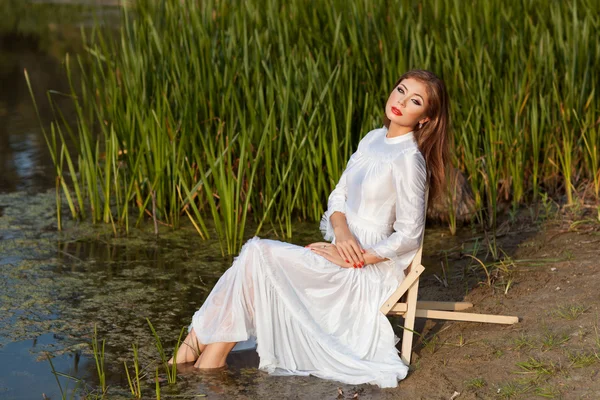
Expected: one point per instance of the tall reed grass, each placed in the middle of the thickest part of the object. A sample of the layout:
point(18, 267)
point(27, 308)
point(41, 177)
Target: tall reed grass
point(225, 112)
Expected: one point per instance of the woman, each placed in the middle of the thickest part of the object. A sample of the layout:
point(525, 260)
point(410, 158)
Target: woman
point(315, 309)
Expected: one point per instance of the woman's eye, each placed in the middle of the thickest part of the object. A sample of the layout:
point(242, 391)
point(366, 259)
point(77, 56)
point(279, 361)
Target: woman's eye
point(402, 91)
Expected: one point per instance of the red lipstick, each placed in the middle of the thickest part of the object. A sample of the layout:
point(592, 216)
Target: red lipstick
point(396, 111)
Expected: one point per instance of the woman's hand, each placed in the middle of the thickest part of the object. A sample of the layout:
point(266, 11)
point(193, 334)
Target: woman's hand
point(345, 241)
point(331, 252)
point(349, 248)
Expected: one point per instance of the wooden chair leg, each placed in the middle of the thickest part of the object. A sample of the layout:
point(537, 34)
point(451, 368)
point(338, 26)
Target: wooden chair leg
point(409, 322)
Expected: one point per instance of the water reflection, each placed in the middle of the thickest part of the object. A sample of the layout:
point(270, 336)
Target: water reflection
point(35, 36)
point(19, 370)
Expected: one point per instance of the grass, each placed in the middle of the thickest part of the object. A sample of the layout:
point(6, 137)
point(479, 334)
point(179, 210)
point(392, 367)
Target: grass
point(570, 312)
point(216, 113)
point(581, 359)
point(537, 368)
point(475, 383)
point(523, 342)
point(500, 273)
point(551, 340)
point(510, 390)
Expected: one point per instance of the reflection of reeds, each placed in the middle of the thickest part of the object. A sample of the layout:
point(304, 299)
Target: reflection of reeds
point(218, 113)
point(79, 384)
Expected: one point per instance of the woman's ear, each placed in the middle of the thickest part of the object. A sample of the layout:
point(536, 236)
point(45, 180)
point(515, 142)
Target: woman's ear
point(424, 120)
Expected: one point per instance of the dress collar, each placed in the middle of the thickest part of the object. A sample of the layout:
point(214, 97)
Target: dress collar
point(396, 139)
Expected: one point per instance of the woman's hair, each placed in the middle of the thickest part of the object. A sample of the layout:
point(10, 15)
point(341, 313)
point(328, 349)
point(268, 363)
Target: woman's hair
point(432, 137)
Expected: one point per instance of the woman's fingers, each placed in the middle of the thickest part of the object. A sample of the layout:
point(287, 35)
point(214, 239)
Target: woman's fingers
point(317, 244)
point(354, 250)
point(349, 251)
point(343, 253)
point(353, 257)
point(347, 254)
point(326, 253)
point(358, 250)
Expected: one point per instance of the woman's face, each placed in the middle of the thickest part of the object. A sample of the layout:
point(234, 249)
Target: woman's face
point(407, 104)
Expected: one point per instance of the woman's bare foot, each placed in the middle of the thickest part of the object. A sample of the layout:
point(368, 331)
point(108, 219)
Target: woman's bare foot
point(189, 350)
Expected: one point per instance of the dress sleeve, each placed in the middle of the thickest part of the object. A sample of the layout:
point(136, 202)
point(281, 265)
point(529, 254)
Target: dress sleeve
point(337, 199)
point(410, 181)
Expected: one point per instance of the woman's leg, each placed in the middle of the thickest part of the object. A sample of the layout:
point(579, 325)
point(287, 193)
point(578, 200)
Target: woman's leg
point(217, 311)
point(214, 355)
point(189, 350)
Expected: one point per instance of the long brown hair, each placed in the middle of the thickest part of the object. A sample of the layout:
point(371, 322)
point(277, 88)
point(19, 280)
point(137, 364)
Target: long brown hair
point(432, 138)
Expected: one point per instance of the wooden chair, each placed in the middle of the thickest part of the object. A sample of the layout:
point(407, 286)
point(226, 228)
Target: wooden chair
point(411, 308)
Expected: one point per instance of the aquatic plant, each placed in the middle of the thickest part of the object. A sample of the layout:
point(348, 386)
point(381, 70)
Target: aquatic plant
point(134, 383)
point(99, 359)
point(171, 371)
point(224, 111)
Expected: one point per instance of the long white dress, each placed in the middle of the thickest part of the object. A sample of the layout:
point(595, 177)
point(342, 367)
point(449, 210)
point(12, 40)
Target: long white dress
point(305, 314)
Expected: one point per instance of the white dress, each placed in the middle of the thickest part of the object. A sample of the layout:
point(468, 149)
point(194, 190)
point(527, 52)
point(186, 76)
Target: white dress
point(305, 314)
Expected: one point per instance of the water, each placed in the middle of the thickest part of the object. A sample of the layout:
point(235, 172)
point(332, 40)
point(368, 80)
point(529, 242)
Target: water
point(36, 35)
point(57, 287)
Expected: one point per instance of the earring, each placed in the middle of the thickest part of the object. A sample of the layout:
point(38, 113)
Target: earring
point(420, 125)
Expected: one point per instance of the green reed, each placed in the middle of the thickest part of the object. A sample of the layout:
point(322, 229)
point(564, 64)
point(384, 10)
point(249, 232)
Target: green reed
point(134, 382)
point(171, 371)
point(218, 112)
point(98, 352)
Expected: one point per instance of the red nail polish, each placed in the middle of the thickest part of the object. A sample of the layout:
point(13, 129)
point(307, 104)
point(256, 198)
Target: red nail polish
point(347, 261)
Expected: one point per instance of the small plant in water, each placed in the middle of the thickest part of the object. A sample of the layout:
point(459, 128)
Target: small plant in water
point(171, 371)
point(158, 384)
point(134, 383)
point(99, 358)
